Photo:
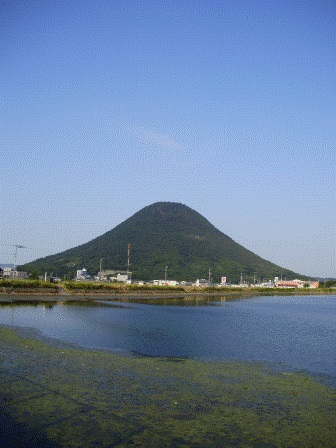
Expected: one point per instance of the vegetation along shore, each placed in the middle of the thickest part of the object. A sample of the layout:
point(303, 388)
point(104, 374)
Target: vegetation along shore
point(10, 289)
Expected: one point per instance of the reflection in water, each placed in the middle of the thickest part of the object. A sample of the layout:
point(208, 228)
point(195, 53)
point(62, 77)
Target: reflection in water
point(298, 331)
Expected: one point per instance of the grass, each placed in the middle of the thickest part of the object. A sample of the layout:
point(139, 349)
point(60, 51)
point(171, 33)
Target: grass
point(80, 398)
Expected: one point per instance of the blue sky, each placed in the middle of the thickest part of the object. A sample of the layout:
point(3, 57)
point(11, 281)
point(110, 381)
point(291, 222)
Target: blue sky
point(226, 106)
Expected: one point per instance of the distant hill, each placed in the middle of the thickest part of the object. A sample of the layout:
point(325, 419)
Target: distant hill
point(164, 234)
point(6, 265)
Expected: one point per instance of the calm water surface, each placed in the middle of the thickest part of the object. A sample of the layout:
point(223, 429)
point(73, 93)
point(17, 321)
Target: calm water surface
point(296, 332)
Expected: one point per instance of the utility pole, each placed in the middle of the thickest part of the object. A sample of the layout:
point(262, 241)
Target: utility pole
point(17, 246)
point(100, 265)
point(128, 259)
point(209, 276)
point(166, 268)
point(241, 278)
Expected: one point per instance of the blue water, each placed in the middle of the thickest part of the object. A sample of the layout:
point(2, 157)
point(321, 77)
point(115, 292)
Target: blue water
point(297, 332)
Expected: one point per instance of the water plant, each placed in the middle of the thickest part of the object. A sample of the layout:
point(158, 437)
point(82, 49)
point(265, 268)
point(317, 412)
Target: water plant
point(80, 398)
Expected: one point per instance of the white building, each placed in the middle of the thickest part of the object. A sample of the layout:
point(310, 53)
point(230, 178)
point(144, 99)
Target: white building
point(7, 272)
point(82, 274)
point(165, 282)
point(122, 277)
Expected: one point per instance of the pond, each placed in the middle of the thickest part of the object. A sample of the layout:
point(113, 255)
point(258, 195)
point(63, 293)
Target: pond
point(292, 332)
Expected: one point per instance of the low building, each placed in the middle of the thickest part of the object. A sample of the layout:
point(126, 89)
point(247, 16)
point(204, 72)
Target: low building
point(202, 282)
point(165, 282)
point(55, 279)
point(7, 272)
point(122, 277)
point(113, 275)
point(82, 275)
point(296, 284)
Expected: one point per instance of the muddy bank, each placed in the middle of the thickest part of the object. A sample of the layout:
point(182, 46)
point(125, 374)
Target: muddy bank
point(78, 398)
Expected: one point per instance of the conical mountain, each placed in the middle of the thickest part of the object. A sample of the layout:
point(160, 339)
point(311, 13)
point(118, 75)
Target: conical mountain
point(164, 234)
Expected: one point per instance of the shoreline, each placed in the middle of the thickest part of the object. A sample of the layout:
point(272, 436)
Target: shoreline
point(69, 397)
point(33, 334)
point(60, 295)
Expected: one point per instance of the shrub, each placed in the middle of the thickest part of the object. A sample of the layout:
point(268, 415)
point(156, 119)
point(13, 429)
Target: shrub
point(26, 284)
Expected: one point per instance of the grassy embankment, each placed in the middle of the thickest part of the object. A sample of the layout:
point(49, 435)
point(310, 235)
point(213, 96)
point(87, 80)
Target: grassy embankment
point(78, 398)
point(38, 287)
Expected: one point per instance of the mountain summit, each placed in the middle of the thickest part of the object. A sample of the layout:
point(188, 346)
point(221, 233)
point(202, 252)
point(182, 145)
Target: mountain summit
point(164, 234)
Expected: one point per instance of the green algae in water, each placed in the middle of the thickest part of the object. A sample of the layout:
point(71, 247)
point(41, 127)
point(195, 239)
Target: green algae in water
point(82, 398)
